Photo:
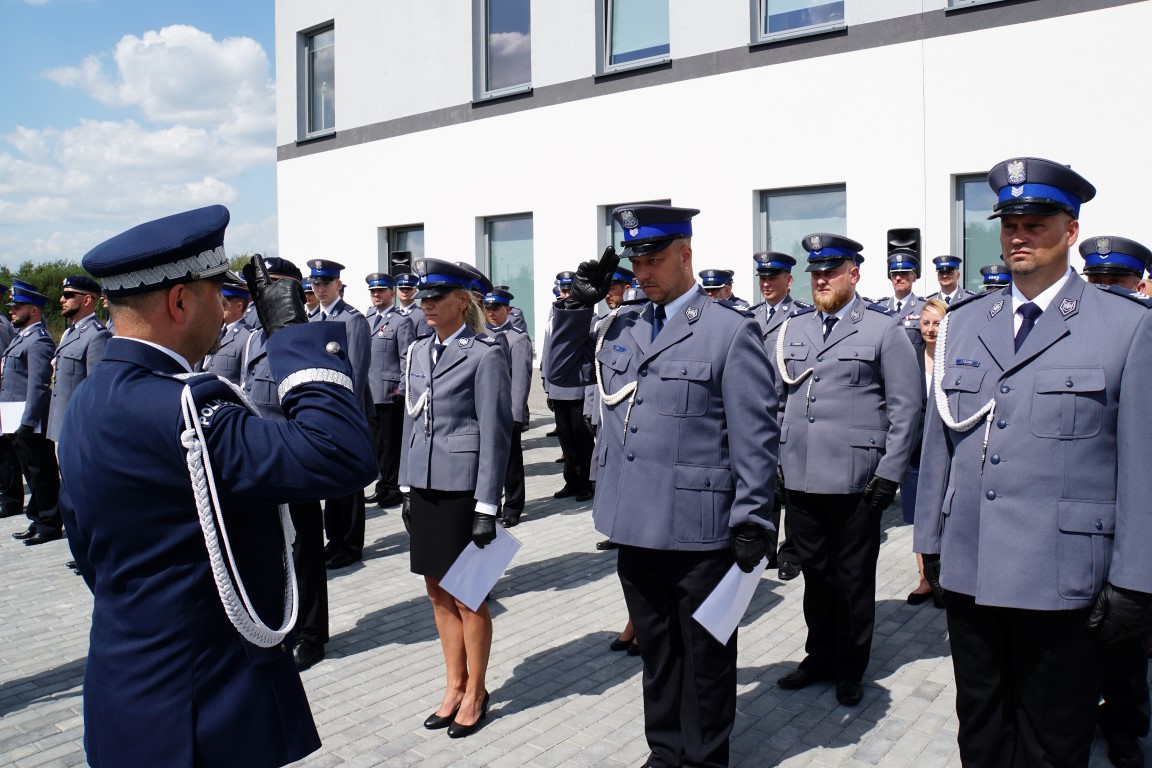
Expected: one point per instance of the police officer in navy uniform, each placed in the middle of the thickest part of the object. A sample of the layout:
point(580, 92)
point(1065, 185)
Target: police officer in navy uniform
point(717, 284)
point(497, 309)
point(1042, 558)
point(1111, 260)
point(180, 670)
point(995, 277)
point(774, 275)
point(406, 292)
point(310, 300)
point(685, 460)
point(515, 314)
point(852, 401)
point(261, 386)
point(948, 275)
point(81, 347)
point(392, 334)
point(227, 358)
point(26, 377)
point(344, 516)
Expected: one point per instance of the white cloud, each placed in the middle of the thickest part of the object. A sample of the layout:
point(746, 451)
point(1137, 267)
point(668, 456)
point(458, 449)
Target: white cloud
point(200, 114)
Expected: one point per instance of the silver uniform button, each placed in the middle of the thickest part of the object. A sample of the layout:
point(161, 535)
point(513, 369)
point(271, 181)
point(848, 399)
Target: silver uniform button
point(333, 347)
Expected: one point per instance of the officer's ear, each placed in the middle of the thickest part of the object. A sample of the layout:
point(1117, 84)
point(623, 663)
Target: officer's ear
point(1073, 230)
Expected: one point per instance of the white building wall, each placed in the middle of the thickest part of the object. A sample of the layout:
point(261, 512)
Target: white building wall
point(894, 123)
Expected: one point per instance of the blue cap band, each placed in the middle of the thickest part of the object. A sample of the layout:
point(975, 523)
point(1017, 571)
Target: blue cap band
point(663, 229)
point(832, 253)
point(621, 278)
point(901, 266)
point(1115, 259)
point(565, 281)
point(459, 282)
point(998, 279)
point(381, 284)
point(1033, 193)
point(325, 272)
point(948, 264)
point(235, 292)
point(494, 299)
point(774, 265)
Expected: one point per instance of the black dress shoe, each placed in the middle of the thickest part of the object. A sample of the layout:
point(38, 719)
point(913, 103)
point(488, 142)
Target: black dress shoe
point(586, 495)
point(510, 518)
point(849, 692)
point(634, 648)
point(70, 564)
point(21, 535)
point(919, 598)
point(329, 550)
point(560, 460)
point(435, 721)
point(42, 537)
point(553, 433)
point(565, 492)
point(788, 570)
point(1124, 750)
point(392, 500)
point(799, 678)
point(340, 560)
point(372, 498)
point(605, 545)
point(306, 654)
point(620, 644)
point(457, 731)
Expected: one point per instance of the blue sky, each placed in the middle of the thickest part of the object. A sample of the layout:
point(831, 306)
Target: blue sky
point(121, 111)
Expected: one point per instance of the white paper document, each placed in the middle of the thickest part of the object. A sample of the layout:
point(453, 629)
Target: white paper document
point(476, 570)
point(10, 415)
point(721, 611)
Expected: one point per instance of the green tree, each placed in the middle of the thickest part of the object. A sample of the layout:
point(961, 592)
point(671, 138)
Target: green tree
point(48, 278)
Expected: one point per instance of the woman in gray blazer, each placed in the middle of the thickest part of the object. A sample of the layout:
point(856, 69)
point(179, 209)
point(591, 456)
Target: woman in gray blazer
point(457, 432)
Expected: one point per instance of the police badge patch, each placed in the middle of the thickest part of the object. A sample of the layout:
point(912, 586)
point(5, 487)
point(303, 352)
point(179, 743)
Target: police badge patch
point(691, 312)
point(1016, 173)
point(628, 219)
point(856, 315)
point(817, 243)
point(1067, 307)
point(999, 305)
point(1103, 245)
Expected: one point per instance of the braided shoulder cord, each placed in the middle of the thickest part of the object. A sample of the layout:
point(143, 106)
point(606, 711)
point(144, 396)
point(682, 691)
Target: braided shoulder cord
point(626, 391)
point(780, 358)
point(938, 362)
point(422, 401)
point(230, 587)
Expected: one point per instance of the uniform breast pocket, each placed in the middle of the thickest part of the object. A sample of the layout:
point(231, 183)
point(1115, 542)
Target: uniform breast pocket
point(684, 387)
point(1068, 403)
point(612, 363)
point(796, 360)
point(856, 365)
point(70, 363)
point(15, 364)
point(468, 442)
point(1087, 529)
point(961, 385)
point(703, 498)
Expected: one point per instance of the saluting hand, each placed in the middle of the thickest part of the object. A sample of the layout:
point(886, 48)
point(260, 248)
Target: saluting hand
point(592, 281)
point(483, 529)
point(278, 302)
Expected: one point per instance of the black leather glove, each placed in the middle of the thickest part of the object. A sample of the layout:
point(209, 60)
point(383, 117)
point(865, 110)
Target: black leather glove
point(932, 575)
point(406, 512)
point(483, 529)
point(551, 404)
point(397, 397)
point(589, 425)
point(592, 281)
point(278, 302)
point(24, 431)
point(1120, 613)
point(879, 493)
point(750, 543)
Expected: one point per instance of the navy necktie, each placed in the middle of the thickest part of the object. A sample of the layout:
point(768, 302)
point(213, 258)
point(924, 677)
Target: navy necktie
point(829, 324)
point(437, 351)
point(947, 299)
point(658, 320)
point(1029, 313)
point(899, 306)
point(771, 312)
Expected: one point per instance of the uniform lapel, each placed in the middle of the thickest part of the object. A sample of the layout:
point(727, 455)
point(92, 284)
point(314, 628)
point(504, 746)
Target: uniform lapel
point(679, 326)
point(846, 326)
point(642, 329)
point(453, 354)
point(997, 334)
point(1052, 325)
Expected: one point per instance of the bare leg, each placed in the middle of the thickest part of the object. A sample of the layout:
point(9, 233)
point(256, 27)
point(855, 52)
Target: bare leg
point(477, 641)
point(924, 587)
point(628, 634)
point(450, 627)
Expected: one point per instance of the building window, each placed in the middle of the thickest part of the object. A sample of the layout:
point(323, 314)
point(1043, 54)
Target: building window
point(636, 33)
point(966, 3)
point(407, 243)
point(780, 19)
point(506, 47)
point(787, 215)
point(320, 81)
point(508, 255)
point(974, 238)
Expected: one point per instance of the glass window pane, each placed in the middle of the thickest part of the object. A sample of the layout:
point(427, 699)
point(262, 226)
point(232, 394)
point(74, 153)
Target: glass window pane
point(981, 236)
point(509, 241)
point(787, 15)
point(322, 81)
point(409, 239)
point(792, 214)
point(639, 30)
point(509, 44)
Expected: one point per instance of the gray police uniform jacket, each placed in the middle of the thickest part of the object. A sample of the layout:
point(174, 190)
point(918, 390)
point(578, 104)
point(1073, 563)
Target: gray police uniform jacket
point(460, 437)
point(226, 361)
point(961, 293)
point(770, 328)
point(81, 350)
point(855, 415)
point(7, 331)
point(1058, 502)
point(520, 367)
point(359, 345)
point(911, 306)
point(392, 334)
point(693, 452)
point(416, 315)
point(26, 374)
point(516, 318)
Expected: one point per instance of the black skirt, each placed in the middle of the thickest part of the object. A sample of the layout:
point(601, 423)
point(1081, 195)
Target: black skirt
point(441, 529)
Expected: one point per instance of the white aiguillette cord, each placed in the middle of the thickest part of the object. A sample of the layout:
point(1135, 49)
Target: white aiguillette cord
point(987, 412)
point(229, 585)
point(784, 370)
point(626, 391)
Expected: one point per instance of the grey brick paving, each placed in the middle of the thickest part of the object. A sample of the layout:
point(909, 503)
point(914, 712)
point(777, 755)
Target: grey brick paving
point(559, 698)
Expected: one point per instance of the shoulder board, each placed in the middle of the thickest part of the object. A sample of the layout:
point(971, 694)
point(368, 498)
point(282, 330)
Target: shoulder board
point(98, 324)
point(968, 300)
point(881, 300)
point(754, 307)
point(351, 310)
point(802, 311)
point(515, 329)
point(734, 307)
point(801, 304)
point(1135, 296)
point(486, 339)
point(882, 310)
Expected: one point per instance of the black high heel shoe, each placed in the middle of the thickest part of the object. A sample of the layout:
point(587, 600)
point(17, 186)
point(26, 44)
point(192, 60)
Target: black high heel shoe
point(457, 731)
point(435, 721)
point(620, 644)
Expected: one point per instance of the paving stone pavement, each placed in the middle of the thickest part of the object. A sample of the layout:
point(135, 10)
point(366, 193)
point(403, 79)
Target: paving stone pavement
point(559, 697)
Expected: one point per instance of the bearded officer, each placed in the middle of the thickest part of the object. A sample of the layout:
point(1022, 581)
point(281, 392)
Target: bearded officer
point(174, 677)
point(1042, 557)
point(392, 334)
point(948, 276)
point(774, 275)
point(852, 401)
point(685, 461)
point(81, 346)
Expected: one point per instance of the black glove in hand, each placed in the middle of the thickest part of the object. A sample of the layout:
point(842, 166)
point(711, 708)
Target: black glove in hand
point(406, 513)
point(932, 575)
point(592, 281)
point(278, 302)
point(1120, 613)
point(24, 431)
point(750, 543)
point(589, 425)
point(483, 529)
point(879, 493)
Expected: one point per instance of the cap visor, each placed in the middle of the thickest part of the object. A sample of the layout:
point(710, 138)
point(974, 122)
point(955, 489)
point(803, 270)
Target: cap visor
point(1030, 209)
point(433, 291)
point(824, 265)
